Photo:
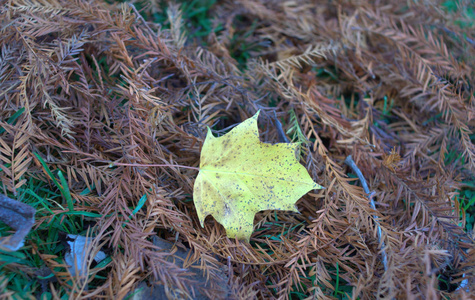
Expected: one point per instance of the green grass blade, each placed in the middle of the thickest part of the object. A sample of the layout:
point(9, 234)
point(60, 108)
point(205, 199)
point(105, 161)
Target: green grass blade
point(13, 118)
point(142, 201)
point(337, 285)
point(66, 192)
point(48, 171)
point(81, 213)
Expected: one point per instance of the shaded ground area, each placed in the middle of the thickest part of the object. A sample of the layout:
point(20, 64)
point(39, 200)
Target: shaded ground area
point(92, 94)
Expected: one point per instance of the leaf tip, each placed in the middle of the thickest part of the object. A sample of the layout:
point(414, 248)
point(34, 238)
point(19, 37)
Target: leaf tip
point(316, 186)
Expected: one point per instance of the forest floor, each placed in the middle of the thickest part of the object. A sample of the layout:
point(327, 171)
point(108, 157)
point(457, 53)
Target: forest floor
point(102, 102)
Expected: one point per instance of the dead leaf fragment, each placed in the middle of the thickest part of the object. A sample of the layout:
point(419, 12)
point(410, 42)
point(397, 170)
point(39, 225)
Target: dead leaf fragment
point(19, 216)
point(77, 258)
point(215, 283)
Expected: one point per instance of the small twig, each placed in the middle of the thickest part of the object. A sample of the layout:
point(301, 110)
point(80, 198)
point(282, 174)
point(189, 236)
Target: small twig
point(351, 163)
point(280, 131)
point(113, 164)
point(469, 40)
point(139, 16)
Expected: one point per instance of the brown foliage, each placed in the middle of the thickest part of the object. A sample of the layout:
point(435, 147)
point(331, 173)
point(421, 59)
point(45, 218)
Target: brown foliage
point(100, 85)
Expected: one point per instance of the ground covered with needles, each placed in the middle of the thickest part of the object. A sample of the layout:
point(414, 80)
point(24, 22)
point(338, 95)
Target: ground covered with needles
point(379, 93)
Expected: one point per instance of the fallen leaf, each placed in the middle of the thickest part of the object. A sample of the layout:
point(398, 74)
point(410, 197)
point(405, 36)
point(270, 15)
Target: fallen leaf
point(240, 176)
point(19, 216)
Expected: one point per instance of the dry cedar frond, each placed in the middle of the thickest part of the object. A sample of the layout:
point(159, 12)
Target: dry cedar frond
point(99, 85)
point(392, 160)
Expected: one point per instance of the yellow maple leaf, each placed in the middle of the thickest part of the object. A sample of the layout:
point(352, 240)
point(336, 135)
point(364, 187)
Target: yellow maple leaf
point(240, 176)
